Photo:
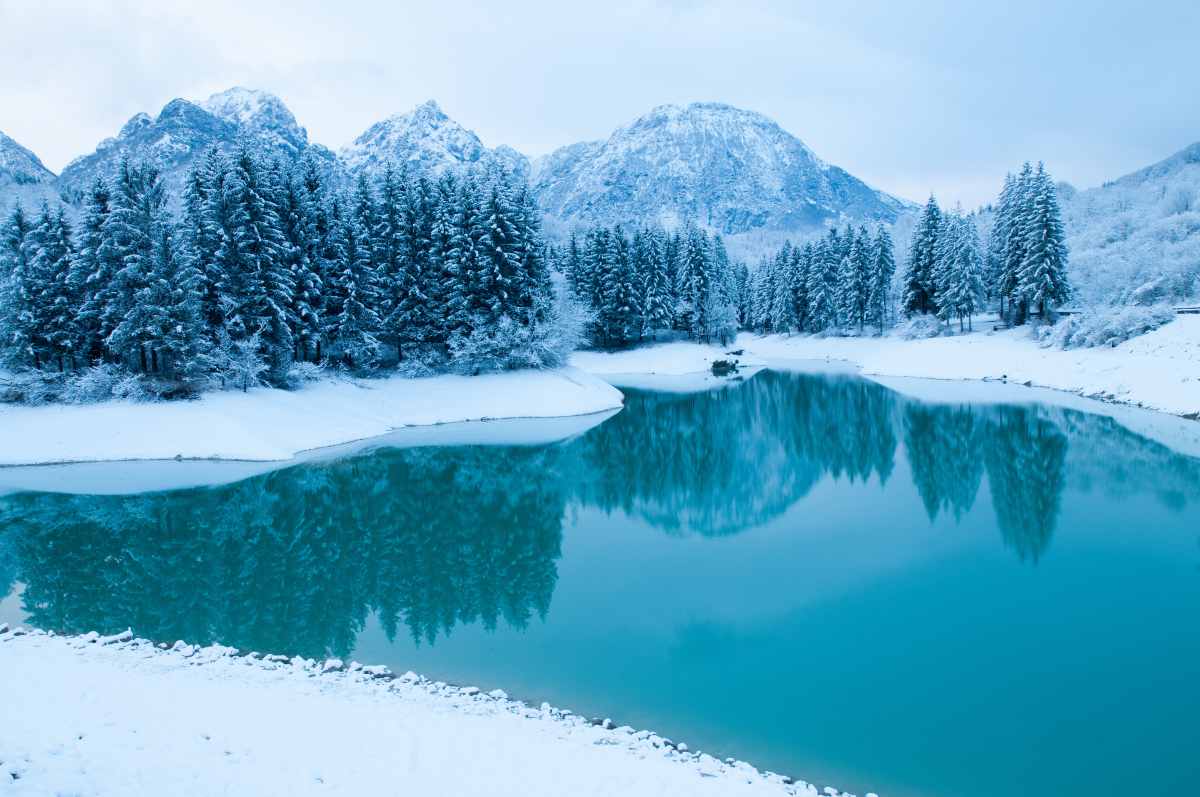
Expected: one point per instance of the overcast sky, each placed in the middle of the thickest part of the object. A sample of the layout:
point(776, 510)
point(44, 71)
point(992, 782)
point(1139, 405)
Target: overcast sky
point(946, 97)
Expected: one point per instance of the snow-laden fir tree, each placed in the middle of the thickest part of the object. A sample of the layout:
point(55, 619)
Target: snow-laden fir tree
point(960, 270)
point(883, 268)
point(16, 320)
point(1042, 279)
point(919, 281)
point(92, 271)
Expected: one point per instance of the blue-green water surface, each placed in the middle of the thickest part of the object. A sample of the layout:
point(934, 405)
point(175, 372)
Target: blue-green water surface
point(809, 572)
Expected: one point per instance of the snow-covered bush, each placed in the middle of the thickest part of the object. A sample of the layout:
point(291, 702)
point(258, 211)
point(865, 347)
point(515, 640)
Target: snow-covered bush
point(31, 387)
point(90, 385)
point(97, 383)
point(240, 362)
point(1104, 326)
point(507, 345)
point(303, 373)
point(920, 327)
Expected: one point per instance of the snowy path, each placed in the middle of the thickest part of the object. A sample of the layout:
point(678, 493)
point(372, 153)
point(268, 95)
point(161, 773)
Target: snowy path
point(88, 717)
point(267, 424)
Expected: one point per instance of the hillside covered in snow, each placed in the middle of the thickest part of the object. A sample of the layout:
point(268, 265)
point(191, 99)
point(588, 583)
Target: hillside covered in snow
point(727, 169)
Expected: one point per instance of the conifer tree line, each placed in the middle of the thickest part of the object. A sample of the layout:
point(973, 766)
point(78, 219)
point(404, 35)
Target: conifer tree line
point(261, 264)
point(1023, 268)
point(840, 281)
point(636, 286)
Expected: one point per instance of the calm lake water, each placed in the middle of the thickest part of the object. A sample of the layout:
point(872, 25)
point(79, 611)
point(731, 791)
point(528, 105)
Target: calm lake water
point(811, 573)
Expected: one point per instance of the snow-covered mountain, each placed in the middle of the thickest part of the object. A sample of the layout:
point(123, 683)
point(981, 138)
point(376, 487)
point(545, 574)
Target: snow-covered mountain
point(1137, 237)
point(261, 115)
point(428, 140)
point(184, 131)
point(730, 170)
point(23, 177)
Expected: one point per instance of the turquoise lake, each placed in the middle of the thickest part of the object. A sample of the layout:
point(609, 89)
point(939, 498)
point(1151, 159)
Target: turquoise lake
point(809, 572)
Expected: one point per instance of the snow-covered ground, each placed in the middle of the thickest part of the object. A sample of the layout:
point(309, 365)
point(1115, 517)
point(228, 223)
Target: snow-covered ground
point(267, 424)
point(100, 716)
point(1159, 370)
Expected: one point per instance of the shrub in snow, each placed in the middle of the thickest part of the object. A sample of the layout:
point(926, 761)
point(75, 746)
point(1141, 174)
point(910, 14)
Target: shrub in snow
point(303, 373)
point(240, 362)
point(1105, 326)
point(506, 345)
point(31, 387)
point(920, 327)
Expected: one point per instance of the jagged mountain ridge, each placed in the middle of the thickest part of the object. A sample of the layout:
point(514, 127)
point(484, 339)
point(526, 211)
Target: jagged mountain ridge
point(183, 130)
point(729, 170)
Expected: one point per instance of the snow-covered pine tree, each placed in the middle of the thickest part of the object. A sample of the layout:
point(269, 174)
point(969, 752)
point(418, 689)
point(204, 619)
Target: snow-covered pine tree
point(260, 290)
point(533, 284)
point(1015, 242)
point(353, 334)
point(313, 197)
point(438, 273)
point(781, 296)
point(998, 239)
point(1042, 280)
point(821, 281)
point(620, 314)
point(722, 303)
point(797, 273)
point(202, 228)
point(17, 346)
point(137, 213)
point(91, 273)
point(175, 321)
point(468, 294)
point(961, 289)
point(654, 279)
point(52, 306)
point(696, 283)
point(853, 286)
point(305, 310)
point(883, 269)
point(919, 284)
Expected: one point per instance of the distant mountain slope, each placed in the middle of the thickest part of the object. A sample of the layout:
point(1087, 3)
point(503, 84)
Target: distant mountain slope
point(425, 139)
point(1138, 238)
point(184, 130)
point(730, 170)
point(23, 177)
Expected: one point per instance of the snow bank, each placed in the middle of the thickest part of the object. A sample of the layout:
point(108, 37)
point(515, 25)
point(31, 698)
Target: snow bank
point(116, 715)
point(267, 424)
point(1159, 370)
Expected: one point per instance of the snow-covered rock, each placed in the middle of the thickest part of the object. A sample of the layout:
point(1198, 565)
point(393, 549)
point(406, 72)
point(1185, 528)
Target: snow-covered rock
point(728, 169)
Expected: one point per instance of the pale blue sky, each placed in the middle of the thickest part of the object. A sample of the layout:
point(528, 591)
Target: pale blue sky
point(912, 97)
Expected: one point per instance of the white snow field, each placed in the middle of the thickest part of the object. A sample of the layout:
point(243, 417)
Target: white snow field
point(113, 715)
point(267, 424)
point(1159, 370)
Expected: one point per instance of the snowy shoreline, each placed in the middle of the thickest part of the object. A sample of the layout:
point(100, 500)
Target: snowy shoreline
point(1158, 372)
point(268, 425)
point(92, 710)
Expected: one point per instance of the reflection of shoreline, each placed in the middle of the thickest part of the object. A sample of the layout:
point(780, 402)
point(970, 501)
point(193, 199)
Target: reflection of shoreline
point(433, 535)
